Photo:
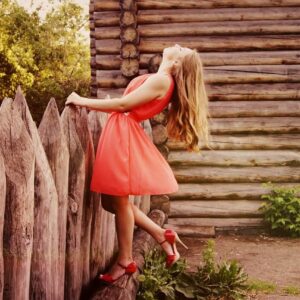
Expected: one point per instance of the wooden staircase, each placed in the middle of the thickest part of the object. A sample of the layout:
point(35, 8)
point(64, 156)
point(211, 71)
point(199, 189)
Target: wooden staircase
point(220, 190)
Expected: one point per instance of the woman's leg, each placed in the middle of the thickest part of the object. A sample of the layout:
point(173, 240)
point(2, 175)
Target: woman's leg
point(141, 220)
point(124, 218)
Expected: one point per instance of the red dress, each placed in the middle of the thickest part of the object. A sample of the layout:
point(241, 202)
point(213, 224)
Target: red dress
point(127, 162)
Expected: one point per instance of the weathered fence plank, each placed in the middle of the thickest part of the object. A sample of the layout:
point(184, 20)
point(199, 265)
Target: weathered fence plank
point(2, 210)
point(44, 265)
point(73, 277)
point(19, 159)
point(54, 142)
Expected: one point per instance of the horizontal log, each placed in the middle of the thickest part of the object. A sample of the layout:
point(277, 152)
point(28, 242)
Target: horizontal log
point(195, 231)
point(231, 92)
point(112, 62)
point(217, 222)
point(205, 28)
point(107, 18)
point(153, 16)
point(111, 5)
point(247, 141)
point(256, 91)
point(220, 43)
point(255, 124)
point(112, 78)
point(222, 191)
point(100, 5)
point(235, 158)
point(158, 4)
point(206, 44)
point(110, 46)
point(215, 208)
point(224, 74)
point(254, 108)
point(256, 27)
point(236, 174)
point(112, 18)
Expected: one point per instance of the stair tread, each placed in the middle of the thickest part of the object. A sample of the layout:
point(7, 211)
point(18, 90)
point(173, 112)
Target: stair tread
point(186, 230)
point(219, 191)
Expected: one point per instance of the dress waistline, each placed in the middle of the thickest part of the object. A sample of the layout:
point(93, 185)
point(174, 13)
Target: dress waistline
point(131, 115)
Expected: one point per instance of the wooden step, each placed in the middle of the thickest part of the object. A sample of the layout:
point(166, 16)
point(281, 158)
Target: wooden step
point(249, 141)
point(200, 174)
point(216, 226)
point(223, 191)
point(217, 222)
point(235, 158)
point(215, 208)
point(192, 231)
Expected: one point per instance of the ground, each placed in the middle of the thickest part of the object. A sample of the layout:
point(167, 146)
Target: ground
point(274, 260)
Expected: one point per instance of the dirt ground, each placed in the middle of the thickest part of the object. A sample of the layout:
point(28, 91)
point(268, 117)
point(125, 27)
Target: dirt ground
point(272, 259)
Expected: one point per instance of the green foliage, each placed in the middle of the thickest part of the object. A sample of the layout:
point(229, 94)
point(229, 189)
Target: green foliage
point(225, 280)
point(282, 210)
point(157, 281)
point(48, 58)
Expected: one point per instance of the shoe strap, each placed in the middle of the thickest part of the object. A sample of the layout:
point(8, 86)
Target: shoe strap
point(122, 265)
point(163, 242)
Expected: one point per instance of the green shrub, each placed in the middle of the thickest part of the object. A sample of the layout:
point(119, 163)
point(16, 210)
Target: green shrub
point(211, 281)
point(225, 280)
point(157, 281)
point(282, 210)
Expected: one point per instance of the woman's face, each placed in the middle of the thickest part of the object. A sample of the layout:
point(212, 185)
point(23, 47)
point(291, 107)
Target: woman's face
point(176, 52)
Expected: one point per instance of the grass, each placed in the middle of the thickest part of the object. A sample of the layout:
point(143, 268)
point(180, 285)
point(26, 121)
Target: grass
point(267, 287)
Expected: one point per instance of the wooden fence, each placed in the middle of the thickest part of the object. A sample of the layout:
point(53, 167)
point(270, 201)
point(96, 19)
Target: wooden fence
point(56, 235)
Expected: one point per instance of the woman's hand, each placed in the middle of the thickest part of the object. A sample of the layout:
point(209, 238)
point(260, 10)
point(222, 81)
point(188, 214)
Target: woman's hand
point(73, 98)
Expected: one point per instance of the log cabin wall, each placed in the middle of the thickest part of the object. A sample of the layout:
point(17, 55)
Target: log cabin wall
point(251, 54)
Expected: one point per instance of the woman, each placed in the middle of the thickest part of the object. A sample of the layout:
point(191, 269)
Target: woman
point(128, 163)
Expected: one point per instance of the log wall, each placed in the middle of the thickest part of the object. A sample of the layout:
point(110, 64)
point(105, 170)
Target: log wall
point(251, 56)
point(55, 235)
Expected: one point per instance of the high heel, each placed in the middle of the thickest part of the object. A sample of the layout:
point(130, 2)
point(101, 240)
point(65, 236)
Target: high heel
point(129, 269)
point(172, 237)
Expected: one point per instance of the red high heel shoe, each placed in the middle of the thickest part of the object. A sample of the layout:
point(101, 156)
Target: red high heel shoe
point(172, 237)
point(129, 269)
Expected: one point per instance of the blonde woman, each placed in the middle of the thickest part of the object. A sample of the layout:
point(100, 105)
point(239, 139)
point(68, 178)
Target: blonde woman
point(128, 163)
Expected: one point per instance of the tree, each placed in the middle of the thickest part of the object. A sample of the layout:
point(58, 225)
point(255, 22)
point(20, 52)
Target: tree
point(47, 58)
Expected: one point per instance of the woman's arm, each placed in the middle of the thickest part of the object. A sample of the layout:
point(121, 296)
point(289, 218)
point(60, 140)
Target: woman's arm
point(105, 105)
point(154, 87)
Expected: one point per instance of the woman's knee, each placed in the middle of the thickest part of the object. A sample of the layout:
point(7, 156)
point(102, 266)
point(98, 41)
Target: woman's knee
point(121, 202)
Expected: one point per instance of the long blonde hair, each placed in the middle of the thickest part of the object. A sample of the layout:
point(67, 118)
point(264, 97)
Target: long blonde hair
point(188, 114)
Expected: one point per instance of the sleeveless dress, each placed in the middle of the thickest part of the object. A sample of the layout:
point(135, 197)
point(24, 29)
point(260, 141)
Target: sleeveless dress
point(127, 162)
